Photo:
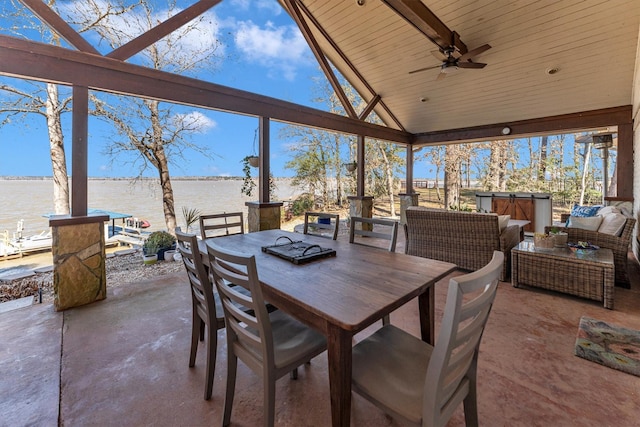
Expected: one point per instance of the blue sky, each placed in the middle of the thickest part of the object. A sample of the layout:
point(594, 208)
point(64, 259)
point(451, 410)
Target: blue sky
point(263, 53)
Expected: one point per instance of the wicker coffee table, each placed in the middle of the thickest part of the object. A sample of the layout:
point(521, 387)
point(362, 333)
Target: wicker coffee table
point(587, 273)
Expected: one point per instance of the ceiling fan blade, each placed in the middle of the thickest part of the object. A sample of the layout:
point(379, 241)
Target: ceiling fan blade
point(441, 76)
point(424, 69)
point(474, 52)
point(439, 55)
point(471, 65)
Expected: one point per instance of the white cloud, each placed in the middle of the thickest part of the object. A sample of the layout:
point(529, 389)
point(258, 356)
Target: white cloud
point(193, 40)
point(280, 48)
point(268, 5)
point(194, 120)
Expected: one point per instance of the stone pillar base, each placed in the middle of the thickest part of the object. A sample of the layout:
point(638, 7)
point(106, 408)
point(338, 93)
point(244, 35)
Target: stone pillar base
point(79, 274)
point(406, 200)
point(264, 216)
point(362, 207)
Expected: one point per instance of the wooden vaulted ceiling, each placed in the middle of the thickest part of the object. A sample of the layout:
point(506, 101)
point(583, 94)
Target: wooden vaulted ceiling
point(376, 43)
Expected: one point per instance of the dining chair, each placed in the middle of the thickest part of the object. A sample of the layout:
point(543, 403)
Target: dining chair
point(321, 224)
point(206, 317)
point(423, 384)
point(366, 228)
point(223, 224)
point(271, 344)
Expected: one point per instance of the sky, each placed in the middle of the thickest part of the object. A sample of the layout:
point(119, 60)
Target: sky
point(259, 49)
point(262, 52)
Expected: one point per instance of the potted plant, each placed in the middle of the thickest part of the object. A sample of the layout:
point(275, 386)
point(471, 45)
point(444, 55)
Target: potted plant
point(149, 253)
point(161, 241)
point(560, 237)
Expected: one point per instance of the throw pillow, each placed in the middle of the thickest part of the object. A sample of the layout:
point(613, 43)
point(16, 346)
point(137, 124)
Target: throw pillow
point(612, 223)
point(503, 221)
point(607, 210)
point(585, 211)
point(588, 223)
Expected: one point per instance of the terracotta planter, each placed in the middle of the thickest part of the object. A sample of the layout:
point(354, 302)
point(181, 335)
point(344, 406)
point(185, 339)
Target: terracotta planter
point(254, 161)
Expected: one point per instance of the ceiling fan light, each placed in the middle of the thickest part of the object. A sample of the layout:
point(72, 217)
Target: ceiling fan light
point(449, 69)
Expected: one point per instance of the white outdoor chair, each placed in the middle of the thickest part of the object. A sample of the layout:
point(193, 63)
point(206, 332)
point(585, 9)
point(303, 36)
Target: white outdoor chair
point(422, 384)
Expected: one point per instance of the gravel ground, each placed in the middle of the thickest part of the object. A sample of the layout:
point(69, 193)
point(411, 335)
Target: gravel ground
point(120, 270)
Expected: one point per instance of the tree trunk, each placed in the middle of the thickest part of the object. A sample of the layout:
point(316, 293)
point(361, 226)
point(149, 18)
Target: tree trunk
point(389, 174)
point(159, 159)
point(585, 170)
point(452, 177)
point(543, 158)
point(58, 158)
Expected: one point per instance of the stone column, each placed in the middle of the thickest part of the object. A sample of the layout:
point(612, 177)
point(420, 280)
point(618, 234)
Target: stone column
point(79, 274)
point(363, 207)
point(406, 200)
point(263, 216)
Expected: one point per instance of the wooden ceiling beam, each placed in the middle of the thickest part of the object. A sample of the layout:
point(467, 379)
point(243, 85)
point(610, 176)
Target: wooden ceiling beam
point(350, 65)
point(58, 25)
point(425, 21)
point(159, 31)
point(322, 60)
point(564, 123)
point(37, 61)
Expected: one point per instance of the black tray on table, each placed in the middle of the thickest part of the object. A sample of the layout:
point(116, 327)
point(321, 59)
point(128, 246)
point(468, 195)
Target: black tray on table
point(298, 252)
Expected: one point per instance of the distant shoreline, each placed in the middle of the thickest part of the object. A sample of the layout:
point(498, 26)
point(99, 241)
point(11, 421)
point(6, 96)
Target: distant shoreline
point(96, 178)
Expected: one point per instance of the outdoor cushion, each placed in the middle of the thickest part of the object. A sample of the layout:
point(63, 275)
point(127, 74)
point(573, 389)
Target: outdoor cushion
point(607, 210)
point(585, 211)
point(612, 223)
point(503, 221)
point(586, 223)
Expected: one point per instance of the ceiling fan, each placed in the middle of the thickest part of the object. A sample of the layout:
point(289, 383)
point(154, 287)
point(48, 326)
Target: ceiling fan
point(451, 62)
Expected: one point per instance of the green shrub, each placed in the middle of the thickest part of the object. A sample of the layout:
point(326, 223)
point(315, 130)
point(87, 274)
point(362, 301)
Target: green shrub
point(158, 240)
point(302, 204)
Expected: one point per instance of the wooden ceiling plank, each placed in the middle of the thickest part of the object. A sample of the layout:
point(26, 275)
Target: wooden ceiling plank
point(59, 25)
point(38, 61)
point(564, 122)
point(146, 39)
point(353, 69)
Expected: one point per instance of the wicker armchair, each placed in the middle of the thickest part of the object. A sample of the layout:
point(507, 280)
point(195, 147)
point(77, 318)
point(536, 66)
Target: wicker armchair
point(618, 244)
point(464, 238)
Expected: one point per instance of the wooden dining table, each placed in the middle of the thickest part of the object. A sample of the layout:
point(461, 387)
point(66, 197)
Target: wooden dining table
point(341, 295)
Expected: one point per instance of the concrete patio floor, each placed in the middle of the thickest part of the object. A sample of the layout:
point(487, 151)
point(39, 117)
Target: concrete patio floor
point(124, 361)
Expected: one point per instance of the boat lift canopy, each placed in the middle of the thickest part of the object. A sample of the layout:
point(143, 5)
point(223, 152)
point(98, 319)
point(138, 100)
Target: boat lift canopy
point(112, 216)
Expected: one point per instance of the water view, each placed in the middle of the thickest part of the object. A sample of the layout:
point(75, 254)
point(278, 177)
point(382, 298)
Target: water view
point(30, 199)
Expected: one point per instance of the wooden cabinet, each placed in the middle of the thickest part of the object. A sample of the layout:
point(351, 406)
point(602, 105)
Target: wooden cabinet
point(517, 208)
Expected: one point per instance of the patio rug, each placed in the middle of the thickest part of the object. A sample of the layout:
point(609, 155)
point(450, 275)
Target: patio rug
point(609, 345)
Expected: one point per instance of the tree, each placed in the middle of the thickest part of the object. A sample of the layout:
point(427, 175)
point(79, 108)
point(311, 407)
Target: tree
point(155, 133)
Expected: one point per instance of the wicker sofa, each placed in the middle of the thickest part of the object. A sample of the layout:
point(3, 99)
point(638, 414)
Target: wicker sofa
point(464, 238)
point(619, 245)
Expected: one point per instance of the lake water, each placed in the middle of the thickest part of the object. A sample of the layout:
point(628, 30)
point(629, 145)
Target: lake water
point(30, 199)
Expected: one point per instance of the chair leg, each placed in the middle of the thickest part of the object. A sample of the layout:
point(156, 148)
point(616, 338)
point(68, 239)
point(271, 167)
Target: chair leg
point(471, 401)
point(212, 345)
point(232, 368)
point(294, 374)
point(196, 327)
point(386, 320)
point(269, 400)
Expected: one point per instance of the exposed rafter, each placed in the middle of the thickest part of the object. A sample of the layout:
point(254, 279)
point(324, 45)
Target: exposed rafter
point(322, 60)
point(43, 62)
point(419, 15)
point(163, 29)
point(353, 69)
point(58, 25)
